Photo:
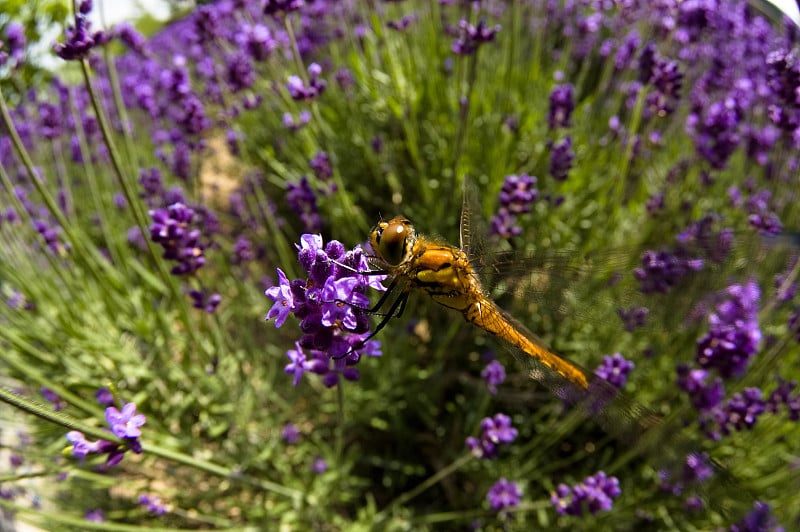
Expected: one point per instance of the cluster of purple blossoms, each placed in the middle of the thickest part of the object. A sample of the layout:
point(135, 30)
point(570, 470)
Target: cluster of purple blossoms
point(292, 124)
point(494, 374)
point(633, 317)
point(302, 200)
point(495, 431)
point(153, 504)
point(171, 228)
point(734, 333)
point(615, 370)
point(470, 37)
point(52, 397)
point(297, 88)
point(80, 40)
point(760, 215)
point(124, 424)
point(205, 301)
point(663, 270)
point(561, 157)
point(290, 433)
point(594, 494)
point(504, 494)
point(516, 197)
point(562, 104)
point(331, 304)
point(665, 78)
point(759, 519)
point(696, 470)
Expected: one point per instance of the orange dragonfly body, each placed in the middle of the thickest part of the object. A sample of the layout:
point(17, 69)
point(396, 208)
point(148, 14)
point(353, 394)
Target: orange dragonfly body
point(445, 273)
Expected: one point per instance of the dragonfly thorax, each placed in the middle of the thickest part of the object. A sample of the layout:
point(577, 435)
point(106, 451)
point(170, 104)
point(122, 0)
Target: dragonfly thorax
point(393, 241)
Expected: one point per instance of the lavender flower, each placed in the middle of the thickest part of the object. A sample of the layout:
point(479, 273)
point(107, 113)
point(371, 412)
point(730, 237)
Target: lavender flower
point(125, 423)
point(703, 395)
point(319, 465)
point(740, 412)
point(471, 37)
point(95, 516)
point(516, 197)
point(759, 519)
point(52, 397)
point(495, 431)
point(615, 370)
point(561, 106)
point(297, 88)
point(153, 504)
point(79, 39)
point(696, 470)
point(594, 494)
point(290, 433)
point(494, 374)
point(561, 157)
point(504, 494)
point(301, 199)
point(171, 228)
point(280, 7)
point(734, 333)
point(331, 305)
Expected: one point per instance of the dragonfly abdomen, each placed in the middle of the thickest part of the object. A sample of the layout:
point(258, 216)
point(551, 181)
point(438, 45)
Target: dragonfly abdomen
point(489, 317)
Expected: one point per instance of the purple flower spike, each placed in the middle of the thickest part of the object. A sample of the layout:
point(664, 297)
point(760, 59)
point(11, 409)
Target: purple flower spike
point(561, 106)
point(495, 431)
point(504, 494)
point(615, 370)
point(734, 333)
point(125, 424)
point(494, 374)
point(471, 37)
point(594, 494)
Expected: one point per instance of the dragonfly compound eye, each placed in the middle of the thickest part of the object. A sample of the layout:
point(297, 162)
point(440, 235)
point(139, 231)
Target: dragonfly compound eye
point(391, 241)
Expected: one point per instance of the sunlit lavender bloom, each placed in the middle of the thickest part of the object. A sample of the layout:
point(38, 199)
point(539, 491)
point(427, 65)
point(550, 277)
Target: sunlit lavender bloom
point(302, 199)
point(15, 40)
point(494, 374)
point(740, 412)
point(782, 395)
point(125, 423)
point(495, 431)
point(734, 333)
point(704, 395)
point(257, 40)
point(316, 85)
point(404, 22)
point(290, 433)
point(760, 215)
point(243, 251)
point(319, 465)
point(518, 193)
point(471, 37)
point(504, 494)
point(131, 38)
point(561, 106)
point(759, 519)
point(331, 305)
point(95, 516)
point(81, 447)
point(239, 73)
point(290, 123)
point(153, 504)
point(561, 157)
point(80, 40)
point(171, 228)
point(615, 369)
point(321, 164)
point(662, 270)
point(594, 494)
point(104, 396)
point(204, 301)
point(52, 397)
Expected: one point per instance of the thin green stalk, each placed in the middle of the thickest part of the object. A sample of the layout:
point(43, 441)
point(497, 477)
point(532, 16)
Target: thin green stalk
point(134, 203)
point(341, 421)
point(432, 480)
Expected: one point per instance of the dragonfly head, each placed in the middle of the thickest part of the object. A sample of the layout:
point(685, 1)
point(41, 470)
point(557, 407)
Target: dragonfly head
point(392, 241)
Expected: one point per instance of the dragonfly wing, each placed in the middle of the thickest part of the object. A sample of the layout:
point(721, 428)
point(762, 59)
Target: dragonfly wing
point(643, 433)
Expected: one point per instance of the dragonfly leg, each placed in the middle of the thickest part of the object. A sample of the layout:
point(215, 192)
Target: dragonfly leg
point(397, 308)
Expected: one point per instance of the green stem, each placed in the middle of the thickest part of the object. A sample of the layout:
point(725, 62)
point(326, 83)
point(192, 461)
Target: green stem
point(434, 479)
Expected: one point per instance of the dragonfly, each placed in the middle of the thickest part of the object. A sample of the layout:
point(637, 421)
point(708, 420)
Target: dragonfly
point(449, 275)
